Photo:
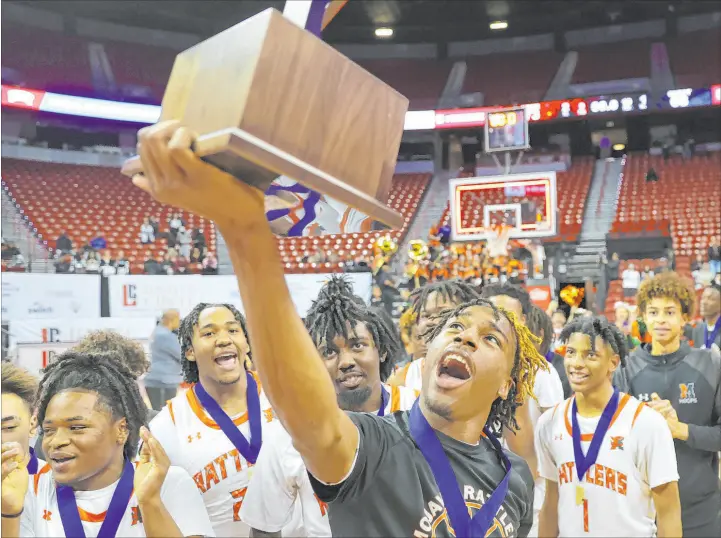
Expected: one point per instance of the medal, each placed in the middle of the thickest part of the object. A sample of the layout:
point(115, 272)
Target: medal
point(458, 514)
point(70, 517)
point(384, 401)
point(580, 495)
point(249, 450)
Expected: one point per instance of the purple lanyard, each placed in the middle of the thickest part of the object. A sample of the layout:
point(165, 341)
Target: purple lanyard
point(709, 339)
point(384, 401)
point(249, 450)
point(70, 517)
point(33, 463)
point(430, 446)
point(583, 463)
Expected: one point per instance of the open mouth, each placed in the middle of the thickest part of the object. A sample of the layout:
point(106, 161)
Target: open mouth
point(351, 381)
point(453, 370)
point(227, 361)
point(577, 377)
point(61, 462)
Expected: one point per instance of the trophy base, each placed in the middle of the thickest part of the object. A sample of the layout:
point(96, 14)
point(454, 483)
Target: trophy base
point(258, 163)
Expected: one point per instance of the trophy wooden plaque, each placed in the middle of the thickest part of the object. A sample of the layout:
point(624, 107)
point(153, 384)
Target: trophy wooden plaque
point(268, 98)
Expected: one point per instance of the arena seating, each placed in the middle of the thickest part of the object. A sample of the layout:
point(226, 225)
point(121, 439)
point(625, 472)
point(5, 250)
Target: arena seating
point(687, 197)
point(496, 76)
point(695, 58)
point(571, 191)
point(600, 62)
point(84, 199)
point(405, 196)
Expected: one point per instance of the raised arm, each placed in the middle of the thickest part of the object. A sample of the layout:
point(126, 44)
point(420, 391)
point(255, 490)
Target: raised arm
point(293, 376)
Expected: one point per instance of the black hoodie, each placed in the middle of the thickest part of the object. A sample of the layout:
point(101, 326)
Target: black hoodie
point(691, 380)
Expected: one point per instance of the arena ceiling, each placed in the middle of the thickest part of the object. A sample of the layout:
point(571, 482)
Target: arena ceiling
point(413, 21)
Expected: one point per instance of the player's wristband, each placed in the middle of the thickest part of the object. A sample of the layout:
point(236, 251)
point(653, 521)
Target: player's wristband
point(13, 516)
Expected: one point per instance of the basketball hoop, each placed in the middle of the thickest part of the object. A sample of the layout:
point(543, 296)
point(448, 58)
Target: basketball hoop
point(498, 239)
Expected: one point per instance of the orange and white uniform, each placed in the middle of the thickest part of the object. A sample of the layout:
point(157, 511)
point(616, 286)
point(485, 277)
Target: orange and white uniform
point(193, 441)
point(280, 497)
point(180, 497)
point(637, 455)
point(411, 375)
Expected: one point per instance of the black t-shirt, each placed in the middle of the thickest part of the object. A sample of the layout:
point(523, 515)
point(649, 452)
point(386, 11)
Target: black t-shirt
point(391, 490)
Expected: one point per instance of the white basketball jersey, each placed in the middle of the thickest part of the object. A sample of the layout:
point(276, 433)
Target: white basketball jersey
point(180, 497)
point(614, 499)
point(280, 496)
point(196, 443)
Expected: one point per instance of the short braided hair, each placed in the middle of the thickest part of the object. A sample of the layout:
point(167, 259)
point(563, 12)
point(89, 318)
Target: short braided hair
point(538, 322)
point(526, 363)
point(104, 374)
point(337, 311)
point(185, 335)
point(455, 290)
point(598, 326)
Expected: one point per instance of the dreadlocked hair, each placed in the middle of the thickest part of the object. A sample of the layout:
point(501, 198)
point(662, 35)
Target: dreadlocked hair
point(539, 323)
point(526, 363)
point(337, 311)
point(598, 326)
point(405, 324)
point(511, 290)
point(185, 335)
point(455, 291)
point(104, 374)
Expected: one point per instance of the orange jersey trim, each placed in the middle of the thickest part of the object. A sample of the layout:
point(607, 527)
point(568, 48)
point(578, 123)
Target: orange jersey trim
point(170, 410)
point(395, 399)
point(638, 412)
point(199, 412)
point(587, 437)
point(36, 478)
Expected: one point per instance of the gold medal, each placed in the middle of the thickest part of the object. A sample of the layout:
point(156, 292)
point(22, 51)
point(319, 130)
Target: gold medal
point(580, 495)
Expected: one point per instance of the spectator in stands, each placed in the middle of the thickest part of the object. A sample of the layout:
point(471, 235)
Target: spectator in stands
point(64, 264)
point(196, 256)
point(165, 374)
point(646, 273)
point(92, 264)
point(155, 223)
point(210, 264)
point(9, 251)
point(98, 242)
point(558, 321)
point(651, 175)
point(622, 317)
point(79, 263)
point(184, 241)
point(707, 332)
point(64, 243)
point(198, 239)
point(166, 263)
point(698, 262)
point(174, 224)
point(147, 233)
point(151, 265)
point(714, 255)
point(612, 267)
point(703, 276)
point(107, 265)
point(180, 265)
point(122, 265)
point(631, 280)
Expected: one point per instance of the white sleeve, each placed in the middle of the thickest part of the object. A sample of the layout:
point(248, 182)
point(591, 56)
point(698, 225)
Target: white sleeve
point(546, 464)
point(655, 452)
point(548, 388)
point(182, 500)
point(268, 502)
point(27, 519)
point(163, 429)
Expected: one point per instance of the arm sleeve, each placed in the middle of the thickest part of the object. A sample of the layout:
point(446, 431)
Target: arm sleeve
point(375, 437)
point(182, 500)
point(268, 503)
point(546, 465)
point(708, 437)
point(656, 454)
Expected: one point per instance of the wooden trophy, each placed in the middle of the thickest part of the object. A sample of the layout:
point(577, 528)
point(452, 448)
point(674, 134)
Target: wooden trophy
point(268, 98)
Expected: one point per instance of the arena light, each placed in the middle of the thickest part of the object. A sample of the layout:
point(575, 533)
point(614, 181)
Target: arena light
point(384, 32)
point(619, 147)
point(498, 25)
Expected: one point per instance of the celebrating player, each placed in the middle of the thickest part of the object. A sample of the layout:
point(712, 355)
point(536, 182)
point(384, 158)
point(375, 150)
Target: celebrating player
point(541, 325)
point(91, 413)
point(684, 384)
point(426, 304)
point(390, 475)
point(358, 349)
point(214, 430)
point(608, 462)
point(18, 425)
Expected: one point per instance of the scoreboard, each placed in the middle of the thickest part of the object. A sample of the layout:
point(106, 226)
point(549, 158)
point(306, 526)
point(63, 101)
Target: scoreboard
point(507, 129)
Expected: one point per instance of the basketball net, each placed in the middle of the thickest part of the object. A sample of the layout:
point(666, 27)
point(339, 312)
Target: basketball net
point(498, 241)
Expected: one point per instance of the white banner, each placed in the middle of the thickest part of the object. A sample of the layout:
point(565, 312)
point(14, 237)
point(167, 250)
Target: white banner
point(43, 296)
point(37, 331)
point(148, 295)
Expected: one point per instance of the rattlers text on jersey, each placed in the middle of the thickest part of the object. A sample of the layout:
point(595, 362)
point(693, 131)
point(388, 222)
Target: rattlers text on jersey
point(280, 496)
point(196, 443)
point(179, 495)
point(636, 456)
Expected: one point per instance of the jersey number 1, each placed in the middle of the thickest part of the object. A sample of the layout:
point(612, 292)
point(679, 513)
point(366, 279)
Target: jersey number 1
point(239, 495)
point(585, 515)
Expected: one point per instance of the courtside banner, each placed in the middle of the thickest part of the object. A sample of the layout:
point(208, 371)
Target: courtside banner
point(49, 296)
point(149, 295)
point(71, 329)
